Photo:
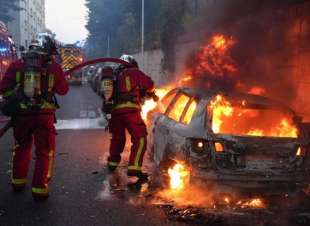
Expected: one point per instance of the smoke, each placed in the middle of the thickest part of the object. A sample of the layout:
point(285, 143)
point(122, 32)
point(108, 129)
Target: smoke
point(269, 36)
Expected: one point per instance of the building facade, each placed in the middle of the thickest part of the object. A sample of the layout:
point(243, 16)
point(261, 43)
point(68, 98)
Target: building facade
point(27, 22)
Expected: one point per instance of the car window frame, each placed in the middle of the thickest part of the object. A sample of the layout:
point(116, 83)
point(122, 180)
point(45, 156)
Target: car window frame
point(173, 102)
point(191, 100)
point(172, 92)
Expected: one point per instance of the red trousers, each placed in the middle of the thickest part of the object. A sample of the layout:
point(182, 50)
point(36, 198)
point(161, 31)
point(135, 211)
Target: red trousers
point(136, 127)
point(39, 129)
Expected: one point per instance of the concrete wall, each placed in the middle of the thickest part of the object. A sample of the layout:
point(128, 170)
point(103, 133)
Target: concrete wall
point(296, 64)
point(153, 60)
point(152, 65)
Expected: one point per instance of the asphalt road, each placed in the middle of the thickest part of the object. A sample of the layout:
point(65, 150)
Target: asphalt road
point(79, 190)
point(82, 193)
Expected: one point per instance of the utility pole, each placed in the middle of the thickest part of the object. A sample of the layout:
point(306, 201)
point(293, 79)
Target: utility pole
point(142, 34)
point(196, 7)
point(108, 46)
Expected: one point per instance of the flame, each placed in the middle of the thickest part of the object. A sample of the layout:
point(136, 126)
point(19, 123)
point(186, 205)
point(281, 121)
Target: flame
point(255, 203)
point(178, 176)
point(189, 114)
point(150, 105)
point(285, 129)
point(256, 132)
point(298, 153)
point(257, 90)
point(213, 58)
point(212, 61)
point(253, 122)
point(221, 108)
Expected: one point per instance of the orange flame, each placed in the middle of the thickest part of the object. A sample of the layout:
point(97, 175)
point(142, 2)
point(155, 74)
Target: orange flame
point(150, 105)
point(229, 119)
point(214, 58)
point(221, 108)
point(179, 175)
point(255, 203)
point(257, 90)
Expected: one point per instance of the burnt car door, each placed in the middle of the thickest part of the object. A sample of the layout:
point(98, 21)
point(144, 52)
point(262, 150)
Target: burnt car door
point(166, 139)
point(158, 134)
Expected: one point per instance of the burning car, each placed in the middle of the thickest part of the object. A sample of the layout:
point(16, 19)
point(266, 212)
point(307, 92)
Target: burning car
point(237, 140)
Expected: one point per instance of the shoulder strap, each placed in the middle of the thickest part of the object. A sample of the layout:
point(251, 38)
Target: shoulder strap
point(20, 78)
point(51, 82)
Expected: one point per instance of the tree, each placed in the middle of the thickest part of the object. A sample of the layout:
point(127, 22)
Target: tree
point(120, 22)
point(172, 14)
point(5, 7)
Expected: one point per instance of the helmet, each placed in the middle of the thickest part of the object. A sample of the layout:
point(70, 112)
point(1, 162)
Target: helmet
point(36, 46)
point(44, 45)
point(49, 45)
point(130, 59)
point(107, 71)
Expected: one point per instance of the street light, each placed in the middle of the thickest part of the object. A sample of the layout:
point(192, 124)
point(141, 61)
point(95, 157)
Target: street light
point(142, 34)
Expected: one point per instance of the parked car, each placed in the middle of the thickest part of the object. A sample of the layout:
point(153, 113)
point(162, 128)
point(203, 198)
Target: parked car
point(95, 79)
point(76, 78)
point(230, 139)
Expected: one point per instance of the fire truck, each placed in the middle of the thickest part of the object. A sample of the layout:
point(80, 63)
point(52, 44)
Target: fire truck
point(71, 55)
point(7, 50)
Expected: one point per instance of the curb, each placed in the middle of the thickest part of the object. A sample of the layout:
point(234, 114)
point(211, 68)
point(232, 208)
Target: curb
point(4, 120)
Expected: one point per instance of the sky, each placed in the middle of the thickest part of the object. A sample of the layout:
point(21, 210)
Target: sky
point(67, 18)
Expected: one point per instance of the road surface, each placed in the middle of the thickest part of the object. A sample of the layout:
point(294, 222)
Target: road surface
point(82, 192)
point(79, 192)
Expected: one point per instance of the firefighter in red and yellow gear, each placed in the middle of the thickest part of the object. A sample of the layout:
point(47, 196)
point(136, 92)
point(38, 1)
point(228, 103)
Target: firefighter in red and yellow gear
point(132, 87)
point(33, 81)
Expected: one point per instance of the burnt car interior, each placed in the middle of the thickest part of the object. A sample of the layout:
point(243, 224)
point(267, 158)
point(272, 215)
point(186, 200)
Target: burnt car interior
point(178, 106)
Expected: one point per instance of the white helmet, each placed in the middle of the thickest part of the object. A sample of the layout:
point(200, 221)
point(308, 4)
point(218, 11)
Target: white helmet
point(129, 59)
point(35, 45)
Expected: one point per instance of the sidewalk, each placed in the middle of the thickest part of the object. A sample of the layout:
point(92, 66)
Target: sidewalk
point(3, 119)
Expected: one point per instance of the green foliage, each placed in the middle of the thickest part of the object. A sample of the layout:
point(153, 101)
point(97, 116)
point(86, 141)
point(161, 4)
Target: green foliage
point(5, 6)
point(121, 22)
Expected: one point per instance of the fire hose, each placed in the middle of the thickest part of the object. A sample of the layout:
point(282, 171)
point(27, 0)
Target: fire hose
point(9, 123)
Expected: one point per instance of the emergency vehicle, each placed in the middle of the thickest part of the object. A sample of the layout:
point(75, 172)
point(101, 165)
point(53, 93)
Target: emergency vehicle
point(72, 55)
point(7, 50)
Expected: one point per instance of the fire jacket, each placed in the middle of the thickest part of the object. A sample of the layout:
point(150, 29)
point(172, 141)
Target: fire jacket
point(56, 84)
point(132, 87)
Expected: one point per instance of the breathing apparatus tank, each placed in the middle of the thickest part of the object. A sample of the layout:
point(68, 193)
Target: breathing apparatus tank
point(34, 60)
point(32, 74)
point(107, 85)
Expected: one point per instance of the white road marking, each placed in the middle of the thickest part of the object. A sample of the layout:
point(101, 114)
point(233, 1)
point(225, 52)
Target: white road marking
point(83, 114)
point(92, 114)
point(81, 124)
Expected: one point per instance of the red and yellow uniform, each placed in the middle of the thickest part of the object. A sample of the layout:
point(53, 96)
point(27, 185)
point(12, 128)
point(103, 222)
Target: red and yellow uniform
point(131, 83)
point(34, 125)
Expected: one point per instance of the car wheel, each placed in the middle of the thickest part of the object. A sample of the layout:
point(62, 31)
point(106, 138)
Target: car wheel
point(162, 172)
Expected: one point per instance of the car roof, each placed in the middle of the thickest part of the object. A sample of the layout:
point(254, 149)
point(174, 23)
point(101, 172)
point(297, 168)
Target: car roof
point(209, 95)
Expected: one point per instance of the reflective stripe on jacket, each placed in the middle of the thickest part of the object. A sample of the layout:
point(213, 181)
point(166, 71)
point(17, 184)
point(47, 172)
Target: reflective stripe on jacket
point(132, 81)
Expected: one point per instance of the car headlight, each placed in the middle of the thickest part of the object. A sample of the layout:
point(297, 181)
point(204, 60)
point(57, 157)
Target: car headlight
point(199, 145)
point(219, 147)
point(301, 151)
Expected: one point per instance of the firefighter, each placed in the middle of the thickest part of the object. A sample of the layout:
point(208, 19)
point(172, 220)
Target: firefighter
point(33, 81)
point(132, 86)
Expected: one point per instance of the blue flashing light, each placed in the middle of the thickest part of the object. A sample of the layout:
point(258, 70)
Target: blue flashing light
point(78, 44)
point(3, 50)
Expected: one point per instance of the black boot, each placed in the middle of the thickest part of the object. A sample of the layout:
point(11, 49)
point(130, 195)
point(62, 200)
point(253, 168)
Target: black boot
point(142, 177)
point(40, 198)
point(19, 188)
point(111, 169)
